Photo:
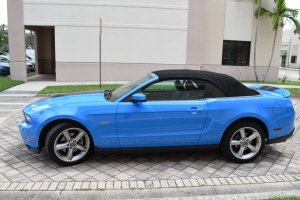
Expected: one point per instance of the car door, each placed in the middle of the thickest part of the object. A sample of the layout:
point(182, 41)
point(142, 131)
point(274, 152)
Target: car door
point(169, 118)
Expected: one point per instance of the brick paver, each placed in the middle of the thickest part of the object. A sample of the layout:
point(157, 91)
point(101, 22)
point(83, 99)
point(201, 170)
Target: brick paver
point(20, 169)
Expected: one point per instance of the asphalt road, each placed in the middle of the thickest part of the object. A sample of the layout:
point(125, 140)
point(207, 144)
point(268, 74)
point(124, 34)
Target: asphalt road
point(10, 105)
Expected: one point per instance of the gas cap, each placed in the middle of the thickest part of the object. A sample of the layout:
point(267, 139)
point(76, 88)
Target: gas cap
point(277, 109)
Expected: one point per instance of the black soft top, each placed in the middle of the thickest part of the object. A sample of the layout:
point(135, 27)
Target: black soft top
point(229, 85)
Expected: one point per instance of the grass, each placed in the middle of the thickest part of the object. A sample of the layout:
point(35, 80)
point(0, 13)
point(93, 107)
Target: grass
point(293, 90)
point(284, 198)
point(6, 83)
point(279, 82)
point(30, 74)
point(77, 88)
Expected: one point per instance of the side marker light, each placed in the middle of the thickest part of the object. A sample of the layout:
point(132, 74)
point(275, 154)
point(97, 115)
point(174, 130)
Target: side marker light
point(276, 129)
point(30, 138)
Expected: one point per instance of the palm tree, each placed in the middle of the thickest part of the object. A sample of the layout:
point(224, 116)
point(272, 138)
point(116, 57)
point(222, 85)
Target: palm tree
point(280, 15)
point(257, 21)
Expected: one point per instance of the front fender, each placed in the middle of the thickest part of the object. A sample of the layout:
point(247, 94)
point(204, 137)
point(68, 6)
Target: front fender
point(90, 116)
point(63, 117)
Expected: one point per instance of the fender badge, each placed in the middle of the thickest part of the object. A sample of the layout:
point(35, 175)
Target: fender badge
point(104, 123)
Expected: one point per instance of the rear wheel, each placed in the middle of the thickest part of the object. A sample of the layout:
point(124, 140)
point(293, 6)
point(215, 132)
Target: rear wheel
point(243, 142)
point(68, 143)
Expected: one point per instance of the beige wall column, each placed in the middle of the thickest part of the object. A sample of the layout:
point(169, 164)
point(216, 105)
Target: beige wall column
point(16, 39)
point(194, 33)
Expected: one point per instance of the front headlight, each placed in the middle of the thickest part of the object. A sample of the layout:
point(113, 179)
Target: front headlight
point(27, 118)
point(1, 68)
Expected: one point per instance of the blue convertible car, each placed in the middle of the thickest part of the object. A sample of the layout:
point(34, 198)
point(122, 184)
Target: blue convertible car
point(168, 109)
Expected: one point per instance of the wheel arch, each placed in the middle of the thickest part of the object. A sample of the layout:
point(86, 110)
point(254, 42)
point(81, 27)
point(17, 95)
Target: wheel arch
point(47, 127)
point(252, 119)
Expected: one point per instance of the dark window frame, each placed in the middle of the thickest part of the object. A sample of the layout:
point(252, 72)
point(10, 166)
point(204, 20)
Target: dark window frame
point(294, 59)
point(236, 49)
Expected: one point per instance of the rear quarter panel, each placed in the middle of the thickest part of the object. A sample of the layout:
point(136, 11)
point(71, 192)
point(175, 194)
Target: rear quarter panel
point(222, 112)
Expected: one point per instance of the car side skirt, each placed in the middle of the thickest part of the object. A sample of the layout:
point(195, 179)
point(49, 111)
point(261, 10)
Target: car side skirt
point(281, 139)
point(155, 149)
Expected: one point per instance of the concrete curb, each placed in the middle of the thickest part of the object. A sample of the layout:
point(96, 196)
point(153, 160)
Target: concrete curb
point(255, 191)
point(148, 184)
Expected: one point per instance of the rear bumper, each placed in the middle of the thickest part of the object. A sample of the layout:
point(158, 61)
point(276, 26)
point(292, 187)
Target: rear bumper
point(282, 138)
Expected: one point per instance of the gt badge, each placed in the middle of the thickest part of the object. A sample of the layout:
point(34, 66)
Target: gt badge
point(104, 123)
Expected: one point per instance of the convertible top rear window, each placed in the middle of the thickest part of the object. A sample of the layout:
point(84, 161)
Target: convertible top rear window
point(212, 91)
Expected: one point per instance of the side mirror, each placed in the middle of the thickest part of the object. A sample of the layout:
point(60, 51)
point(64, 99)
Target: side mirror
point(139, 97)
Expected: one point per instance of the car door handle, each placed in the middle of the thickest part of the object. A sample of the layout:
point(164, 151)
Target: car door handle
point(195, 110)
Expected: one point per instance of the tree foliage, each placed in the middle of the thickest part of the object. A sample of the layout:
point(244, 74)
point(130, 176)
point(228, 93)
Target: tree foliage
point(29, 39)
point(280, 15)
point(3, 38)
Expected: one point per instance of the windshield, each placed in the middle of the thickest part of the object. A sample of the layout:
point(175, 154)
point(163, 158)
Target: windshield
point(116, 94)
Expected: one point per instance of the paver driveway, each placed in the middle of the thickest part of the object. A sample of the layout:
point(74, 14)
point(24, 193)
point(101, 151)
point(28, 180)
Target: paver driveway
point(18, 164)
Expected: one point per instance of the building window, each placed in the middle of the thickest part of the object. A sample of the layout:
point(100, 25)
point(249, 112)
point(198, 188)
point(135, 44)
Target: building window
point(294, 59)
point(236, 53)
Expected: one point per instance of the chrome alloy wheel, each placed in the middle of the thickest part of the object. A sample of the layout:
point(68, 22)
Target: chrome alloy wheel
point(72, 144)
point(245, 143)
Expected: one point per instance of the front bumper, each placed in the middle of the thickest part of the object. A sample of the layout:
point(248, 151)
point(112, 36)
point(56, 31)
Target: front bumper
point(282, 138)
point(35, 150)
point(27, 130)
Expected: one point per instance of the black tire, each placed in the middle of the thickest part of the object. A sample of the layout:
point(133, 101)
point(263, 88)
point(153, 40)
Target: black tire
point(246, 149)
point(72, 141)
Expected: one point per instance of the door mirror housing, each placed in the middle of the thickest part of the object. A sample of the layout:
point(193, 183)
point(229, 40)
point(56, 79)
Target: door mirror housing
point(139, 97)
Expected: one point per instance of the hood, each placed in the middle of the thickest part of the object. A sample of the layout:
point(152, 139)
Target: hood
point(76, 99)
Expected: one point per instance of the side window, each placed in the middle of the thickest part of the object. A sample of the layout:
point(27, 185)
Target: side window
point(180, 89)
point(212, 91)
point(164, 85)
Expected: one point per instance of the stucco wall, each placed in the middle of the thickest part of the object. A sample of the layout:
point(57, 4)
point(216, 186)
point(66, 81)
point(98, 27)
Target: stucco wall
point(213, 31)
point(140, 36)
point(133, 31)
point(16, 39)
point(265, 40)
point(238, 21)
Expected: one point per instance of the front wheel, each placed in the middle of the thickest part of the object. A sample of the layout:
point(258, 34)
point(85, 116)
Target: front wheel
point(68, 143)
point(243, 142)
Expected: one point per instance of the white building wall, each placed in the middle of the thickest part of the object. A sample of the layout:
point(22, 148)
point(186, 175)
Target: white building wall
point(238, 21)
point(291, 43)
point(140, 36)
point(146, 31)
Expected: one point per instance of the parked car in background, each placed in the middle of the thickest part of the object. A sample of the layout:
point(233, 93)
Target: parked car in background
point(30, 64)
point(4, 66)
point(168, 109)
